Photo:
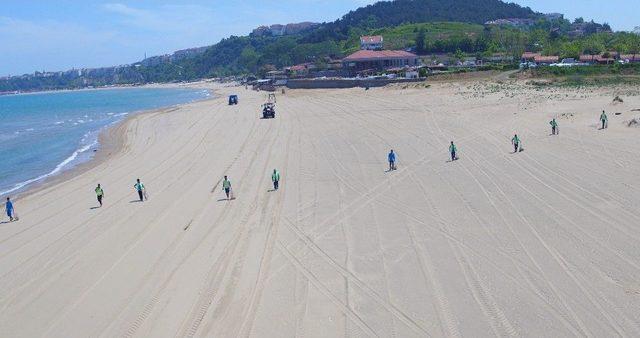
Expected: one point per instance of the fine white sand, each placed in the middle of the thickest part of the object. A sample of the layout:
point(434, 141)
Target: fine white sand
point(545, 242)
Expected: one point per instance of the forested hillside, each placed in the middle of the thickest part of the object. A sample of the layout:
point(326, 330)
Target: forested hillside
point(393, 13)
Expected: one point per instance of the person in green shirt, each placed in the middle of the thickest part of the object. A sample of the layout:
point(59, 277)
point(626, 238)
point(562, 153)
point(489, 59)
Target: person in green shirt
point(516, 143)
point(99, 194)
point(275, 177)
point(226, 186)
point(452, 151)
point(554, 127)
point(139, 188)
point(604, 119)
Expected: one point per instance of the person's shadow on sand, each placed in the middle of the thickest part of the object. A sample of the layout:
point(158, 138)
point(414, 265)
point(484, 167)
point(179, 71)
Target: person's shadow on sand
point(135, 201)
point(93, 208)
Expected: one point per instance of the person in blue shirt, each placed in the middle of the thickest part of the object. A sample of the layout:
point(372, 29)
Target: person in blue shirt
point(140, 189)
point(9, 208)
point(452, 151)
point(392, 160)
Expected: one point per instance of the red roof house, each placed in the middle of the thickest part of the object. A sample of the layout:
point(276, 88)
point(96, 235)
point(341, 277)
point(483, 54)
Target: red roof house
point(597, 59)
point(540, 59)
point(529, 56)
point(371, 42)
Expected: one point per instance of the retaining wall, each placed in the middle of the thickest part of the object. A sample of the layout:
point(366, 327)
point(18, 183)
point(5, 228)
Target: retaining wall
point(346, 83)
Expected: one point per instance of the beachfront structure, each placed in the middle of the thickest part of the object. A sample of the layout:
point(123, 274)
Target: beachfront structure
point(598, 59)
point(631, 58)
point(371, 42)
point(300, 70)
point(371, 60)
point(539, 58)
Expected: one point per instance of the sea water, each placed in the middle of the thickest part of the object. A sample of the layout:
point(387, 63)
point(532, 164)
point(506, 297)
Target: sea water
point(43, 134)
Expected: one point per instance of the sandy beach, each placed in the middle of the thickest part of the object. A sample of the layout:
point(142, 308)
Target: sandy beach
point(538, 243)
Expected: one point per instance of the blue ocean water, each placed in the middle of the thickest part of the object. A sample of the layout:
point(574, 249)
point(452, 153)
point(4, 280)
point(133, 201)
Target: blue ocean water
point(43, 134)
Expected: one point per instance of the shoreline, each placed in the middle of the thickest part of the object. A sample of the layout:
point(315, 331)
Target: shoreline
point(110, 140)
point(147, 85)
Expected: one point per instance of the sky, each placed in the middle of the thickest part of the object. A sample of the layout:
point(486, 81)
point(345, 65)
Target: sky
point(65, 34)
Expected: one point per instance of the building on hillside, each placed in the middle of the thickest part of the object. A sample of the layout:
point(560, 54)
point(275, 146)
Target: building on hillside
point(513, 22)
point(553, 16)
point(371, 42)
point(364, 61)
point(281, 30)
point(498, 58)
point(529, 56)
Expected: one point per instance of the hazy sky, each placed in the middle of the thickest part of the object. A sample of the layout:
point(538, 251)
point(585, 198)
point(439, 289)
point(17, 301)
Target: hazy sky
point(63, 34)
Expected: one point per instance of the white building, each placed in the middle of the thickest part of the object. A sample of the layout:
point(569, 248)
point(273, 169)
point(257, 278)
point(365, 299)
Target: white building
point(371, 42)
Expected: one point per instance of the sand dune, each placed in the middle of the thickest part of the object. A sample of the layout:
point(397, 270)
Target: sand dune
point(540, 243)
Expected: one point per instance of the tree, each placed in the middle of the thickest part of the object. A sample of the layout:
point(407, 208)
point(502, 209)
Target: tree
point(420, 41)
point(459, 55)
point(249, 59)
point(592, 47)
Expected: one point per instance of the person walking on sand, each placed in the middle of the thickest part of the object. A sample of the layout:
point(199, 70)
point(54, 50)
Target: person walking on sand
point(452, 151)
point(99, 194)
point(226, 186)
point(516, 143)
point(554, 127)
point(275, 177)
point(140, 189)
point(604, 119)
point(392, 160)
point(9, 209)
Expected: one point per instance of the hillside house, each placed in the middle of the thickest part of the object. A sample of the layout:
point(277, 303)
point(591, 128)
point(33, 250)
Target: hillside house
point(371, 42)
point(371, 60)
point(553, 16)
point(513, 22)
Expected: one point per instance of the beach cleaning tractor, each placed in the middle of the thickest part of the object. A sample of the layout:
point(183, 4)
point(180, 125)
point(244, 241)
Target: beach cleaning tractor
point(269, 108)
